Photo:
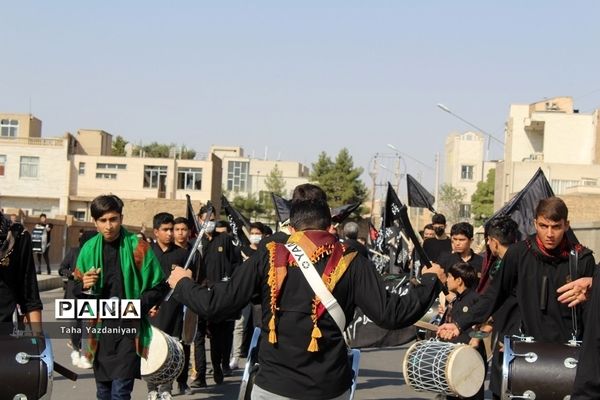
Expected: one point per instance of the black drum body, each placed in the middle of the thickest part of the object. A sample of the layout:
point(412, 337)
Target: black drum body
point(26, 367)
point(534, 370)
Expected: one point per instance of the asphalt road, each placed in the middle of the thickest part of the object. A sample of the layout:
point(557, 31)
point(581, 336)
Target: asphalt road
point(380, 373)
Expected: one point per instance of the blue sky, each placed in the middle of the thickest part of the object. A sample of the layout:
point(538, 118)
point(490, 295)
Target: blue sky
point(295, 77)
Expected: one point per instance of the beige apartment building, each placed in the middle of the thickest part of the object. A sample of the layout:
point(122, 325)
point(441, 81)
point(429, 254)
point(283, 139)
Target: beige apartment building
point(246, 176)
point(551, 135)
point(60, 176)
point(465, 165)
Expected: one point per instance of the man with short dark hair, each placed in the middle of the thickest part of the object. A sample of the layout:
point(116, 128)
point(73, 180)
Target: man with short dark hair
point(428, 232)
point(461, 236)
point(169, 317)
point(116, 263)
point(46, 235)
point(441, 244)
point(532, 271)
point(302, 351)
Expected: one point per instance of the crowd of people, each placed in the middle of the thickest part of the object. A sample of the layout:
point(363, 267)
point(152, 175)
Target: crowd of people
point(517, 286)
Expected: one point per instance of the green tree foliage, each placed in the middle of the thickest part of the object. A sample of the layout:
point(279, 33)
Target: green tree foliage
point(248, 205)
point(450, 199)
point(118, 146)
point(158, 150)
point(339, 179)
point(482, 201)
point(275, 182)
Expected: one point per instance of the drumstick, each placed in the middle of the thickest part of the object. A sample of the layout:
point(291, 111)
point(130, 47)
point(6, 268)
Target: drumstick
point(64, 371)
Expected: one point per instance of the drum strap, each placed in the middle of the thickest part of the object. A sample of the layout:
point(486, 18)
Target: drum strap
point(317, 285)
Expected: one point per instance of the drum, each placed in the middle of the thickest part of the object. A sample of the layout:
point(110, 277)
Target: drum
point(27, 367)
point(446, 368)
point(165, 359)
point(533, 370)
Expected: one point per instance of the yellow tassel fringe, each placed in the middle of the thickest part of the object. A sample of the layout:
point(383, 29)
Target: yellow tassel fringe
point(272, 334)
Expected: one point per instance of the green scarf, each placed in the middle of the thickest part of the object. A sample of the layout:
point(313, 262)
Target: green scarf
point(141, 271)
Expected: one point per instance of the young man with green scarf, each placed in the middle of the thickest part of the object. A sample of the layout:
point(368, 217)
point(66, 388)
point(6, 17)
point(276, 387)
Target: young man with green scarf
point(115, 263)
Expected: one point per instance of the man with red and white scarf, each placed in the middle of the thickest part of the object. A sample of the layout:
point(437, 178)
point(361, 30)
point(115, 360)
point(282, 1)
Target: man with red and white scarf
point(532, 271)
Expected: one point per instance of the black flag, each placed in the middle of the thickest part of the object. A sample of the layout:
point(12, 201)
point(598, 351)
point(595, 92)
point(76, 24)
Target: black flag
point(338, 214)
point(418, 196)
point(282, 207)
point(237, 221)
point(521, 208)
point(396, 211)
point(192, 218)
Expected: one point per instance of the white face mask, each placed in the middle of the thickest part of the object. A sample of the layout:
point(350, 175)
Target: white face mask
point(255, 239)
point(210, 226)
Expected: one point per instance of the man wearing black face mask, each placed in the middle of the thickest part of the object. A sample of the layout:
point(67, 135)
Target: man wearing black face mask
point(218, 260)
point(441, 244)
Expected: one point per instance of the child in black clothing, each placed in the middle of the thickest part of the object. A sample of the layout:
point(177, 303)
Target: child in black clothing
point(462, 280)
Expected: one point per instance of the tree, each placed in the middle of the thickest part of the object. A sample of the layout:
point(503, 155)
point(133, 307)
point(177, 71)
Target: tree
point(248, 205)
point(275, 182)
point(450, 200)
point(339, 179)
point(158, 150)
point(482, 201)
point(118, 146)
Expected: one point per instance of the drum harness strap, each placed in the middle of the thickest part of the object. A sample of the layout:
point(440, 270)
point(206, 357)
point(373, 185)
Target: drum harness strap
point(573, 274)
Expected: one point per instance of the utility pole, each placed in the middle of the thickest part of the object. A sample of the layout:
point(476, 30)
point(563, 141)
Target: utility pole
point(373, 175)
point(437, 178)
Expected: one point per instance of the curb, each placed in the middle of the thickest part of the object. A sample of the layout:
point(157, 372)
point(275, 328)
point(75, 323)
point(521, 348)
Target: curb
point(49, 282)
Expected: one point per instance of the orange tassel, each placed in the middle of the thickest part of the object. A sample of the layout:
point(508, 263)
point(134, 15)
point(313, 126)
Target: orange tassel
point(316, 333)
point(272, 334)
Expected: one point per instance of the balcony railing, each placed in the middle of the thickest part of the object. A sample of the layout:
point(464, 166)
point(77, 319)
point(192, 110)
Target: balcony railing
point(53, 142)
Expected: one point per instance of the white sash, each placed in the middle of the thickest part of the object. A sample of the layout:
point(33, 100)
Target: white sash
point(318, 286)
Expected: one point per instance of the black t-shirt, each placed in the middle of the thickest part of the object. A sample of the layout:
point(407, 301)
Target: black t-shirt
point(435, 247)
point(446, 260)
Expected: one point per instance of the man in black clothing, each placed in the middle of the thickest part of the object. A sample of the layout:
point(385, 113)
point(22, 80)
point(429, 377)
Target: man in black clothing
point(169, 314)
point(441, 243)
point(116, 263)
point(218, 261)
point(502, 232)
point(47, 229)
point(18, 282)
point(533, 268)
point(350, 239)
point(462, 280)
point(302, 352)
point(461, 236)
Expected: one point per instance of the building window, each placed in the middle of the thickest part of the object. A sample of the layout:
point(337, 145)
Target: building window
point(81, 168)
point(464, 211)
point(155, 176)
point(78, 215)
point(466, 172)
point(105, 175)
point(9, 127)
point(2, 164)
point(110, 166)
point(237, 176)
point(29, 167)
point(189, 178)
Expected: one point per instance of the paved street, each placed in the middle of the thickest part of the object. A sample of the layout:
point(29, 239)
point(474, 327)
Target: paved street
point(380, 373)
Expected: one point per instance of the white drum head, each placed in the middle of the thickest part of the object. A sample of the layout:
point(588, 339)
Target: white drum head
point(158, 353)
point(465, 371)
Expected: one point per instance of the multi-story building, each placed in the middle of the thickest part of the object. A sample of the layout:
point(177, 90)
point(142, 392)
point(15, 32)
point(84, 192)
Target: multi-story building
point(246, 176)
point(465, 165)
point(551, 135)
point(60, 176)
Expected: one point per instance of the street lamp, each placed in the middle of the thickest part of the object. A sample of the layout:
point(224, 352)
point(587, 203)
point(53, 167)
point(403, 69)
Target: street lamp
point(490, 136)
